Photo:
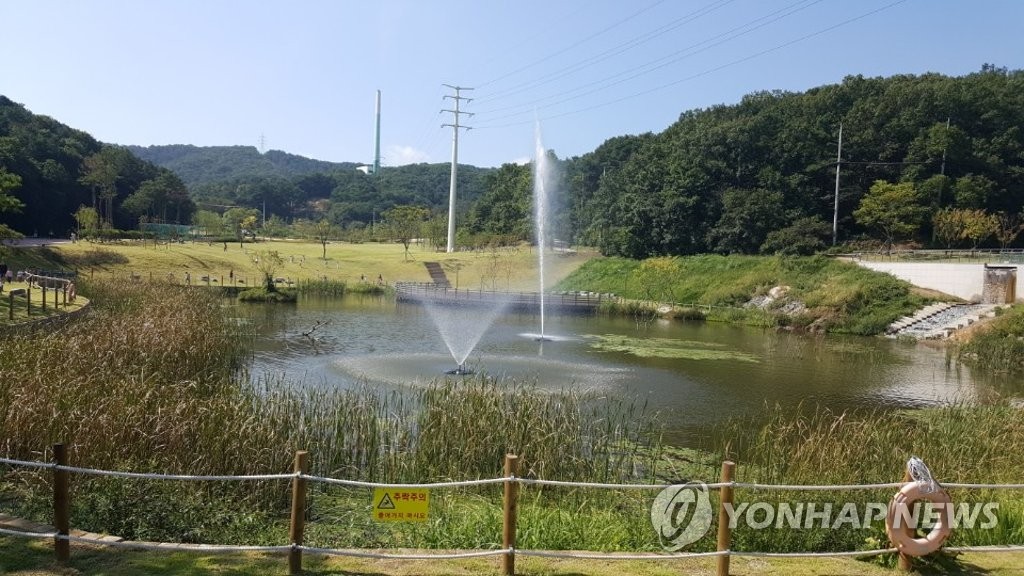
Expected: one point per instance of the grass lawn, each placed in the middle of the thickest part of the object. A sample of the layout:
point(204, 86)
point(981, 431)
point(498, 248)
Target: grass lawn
point(21, 310)
point(502, 269)
point(24, 558)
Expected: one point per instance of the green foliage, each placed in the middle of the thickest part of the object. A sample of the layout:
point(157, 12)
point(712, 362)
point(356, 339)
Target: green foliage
point(405, 223)
point(804, 237)
point(894, 210)
point(999, 346)
point(263, 294)
point(839, 296)
point(674, 193)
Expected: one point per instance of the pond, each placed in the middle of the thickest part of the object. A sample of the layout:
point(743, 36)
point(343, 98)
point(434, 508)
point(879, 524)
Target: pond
point(696, 375)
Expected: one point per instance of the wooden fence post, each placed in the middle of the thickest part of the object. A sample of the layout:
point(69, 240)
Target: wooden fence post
point(28, 300)
point(298, 524)
point(10, 304)
point(724, 531)
point(55, 295)
point(508, 533)
point(61, 504)
point(44, 297)
point(905, 563)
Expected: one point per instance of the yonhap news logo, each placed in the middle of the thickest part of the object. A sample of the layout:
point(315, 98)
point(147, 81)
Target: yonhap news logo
point(681, 514)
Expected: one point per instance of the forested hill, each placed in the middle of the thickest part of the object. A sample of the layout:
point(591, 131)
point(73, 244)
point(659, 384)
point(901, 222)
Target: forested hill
point(61, 179)
point(922, 157)
point(199, 165)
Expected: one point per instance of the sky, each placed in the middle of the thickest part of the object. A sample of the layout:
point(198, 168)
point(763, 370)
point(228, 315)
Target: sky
point(301, 76)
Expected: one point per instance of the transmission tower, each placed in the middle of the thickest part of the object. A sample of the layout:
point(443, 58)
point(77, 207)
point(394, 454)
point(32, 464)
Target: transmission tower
point(456, 113)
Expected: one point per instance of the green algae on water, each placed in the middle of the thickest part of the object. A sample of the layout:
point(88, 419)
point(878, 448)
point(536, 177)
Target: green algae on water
point(667, 348)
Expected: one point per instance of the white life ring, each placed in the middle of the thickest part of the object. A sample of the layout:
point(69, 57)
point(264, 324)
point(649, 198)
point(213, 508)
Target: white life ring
point(901, 505)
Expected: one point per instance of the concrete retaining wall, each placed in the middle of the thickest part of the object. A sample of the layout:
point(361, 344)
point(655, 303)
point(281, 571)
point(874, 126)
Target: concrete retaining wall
point(961, 280)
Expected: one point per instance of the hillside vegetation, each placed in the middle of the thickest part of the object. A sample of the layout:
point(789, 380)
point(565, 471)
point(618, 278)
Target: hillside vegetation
point(197, 165)
point(817, 292)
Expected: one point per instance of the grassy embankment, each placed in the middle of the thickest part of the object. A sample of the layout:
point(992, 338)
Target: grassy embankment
point(996, 346)
point(837, 296)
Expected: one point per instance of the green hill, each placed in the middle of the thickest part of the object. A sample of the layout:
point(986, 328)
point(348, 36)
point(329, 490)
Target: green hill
point(199, 165)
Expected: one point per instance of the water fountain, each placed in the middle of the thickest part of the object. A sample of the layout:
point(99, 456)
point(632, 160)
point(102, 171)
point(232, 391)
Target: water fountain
point(541, 175)
point(462, 326)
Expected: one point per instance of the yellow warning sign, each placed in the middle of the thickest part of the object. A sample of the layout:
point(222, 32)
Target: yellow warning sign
point(400, 504)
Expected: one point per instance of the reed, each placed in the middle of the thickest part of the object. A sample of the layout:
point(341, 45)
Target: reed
point(960, 443)
point(320, 287)
point(154, 380)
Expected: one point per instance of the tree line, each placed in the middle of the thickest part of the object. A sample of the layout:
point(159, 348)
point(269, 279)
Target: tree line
point(925, 160)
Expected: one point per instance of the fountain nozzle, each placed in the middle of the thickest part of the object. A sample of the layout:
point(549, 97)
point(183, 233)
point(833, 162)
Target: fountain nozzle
point(460, 370)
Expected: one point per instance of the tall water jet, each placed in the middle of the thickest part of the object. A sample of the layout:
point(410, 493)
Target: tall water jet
point(541, 202)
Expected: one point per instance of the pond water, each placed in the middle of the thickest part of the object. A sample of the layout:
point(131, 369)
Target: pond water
point(696, 375)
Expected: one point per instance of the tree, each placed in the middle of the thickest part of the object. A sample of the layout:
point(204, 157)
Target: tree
point(747, 218)
point(322, 231)
point(405, 224)
point(267, 262)
point(1009, 226)
point(8, 203)
point(88, 221)
point(948, 226)
point(894, 210)
point(210, 222)
point(100, 172)
point(240, 221)
point(973, 191)
point(978, 226)
point(805, 236)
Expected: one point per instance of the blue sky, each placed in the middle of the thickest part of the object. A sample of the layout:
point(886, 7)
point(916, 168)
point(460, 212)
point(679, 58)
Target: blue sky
point(303, 74)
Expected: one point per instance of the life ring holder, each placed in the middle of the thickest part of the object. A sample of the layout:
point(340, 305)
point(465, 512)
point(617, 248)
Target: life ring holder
point(899, 512)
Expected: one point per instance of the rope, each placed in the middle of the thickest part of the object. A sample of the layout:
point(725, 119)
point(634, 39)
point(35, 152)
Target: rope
point(211, 548)
point(21, 534)
point(144, 475)
point(854, 553)
point(537, 482)
point(812, 488)
point(995, 548)
point(383, 556)
point(358, 483)
point(919, 471)
point(600, 556)
point(985, 486)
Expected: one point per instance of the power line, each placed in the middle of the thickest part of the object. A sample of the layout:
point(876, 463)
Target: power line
point(571, 46)
point(705, 72)
point(675, 57)
point(614, 51)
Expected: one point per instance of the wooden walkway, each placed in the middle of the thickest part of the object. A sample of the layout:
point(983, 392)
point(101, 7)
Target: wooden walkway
point(567, 303)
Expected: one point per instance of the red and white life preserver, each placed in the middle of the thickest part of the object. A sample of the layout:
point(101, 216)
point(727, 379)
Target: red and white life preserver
point(902, 505)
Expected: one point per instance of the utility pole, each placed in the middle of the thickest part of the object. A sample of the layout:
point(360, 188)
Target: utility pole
point(944, 147)
point(458, 98)
point(835, 210)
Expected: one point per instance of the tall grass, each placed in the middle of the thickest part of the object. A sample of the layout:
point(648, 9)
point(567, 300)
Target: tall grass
point(320, 287)
point(152, 381)
point(999, 346)
point(960, 444)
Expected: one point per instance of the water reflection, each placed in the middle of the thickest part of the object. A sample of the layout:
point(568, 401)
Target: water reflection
point(696, 374)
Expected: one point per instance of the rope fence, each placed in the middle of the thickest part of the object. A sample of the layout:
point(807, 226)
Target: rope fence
point(508, 551)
